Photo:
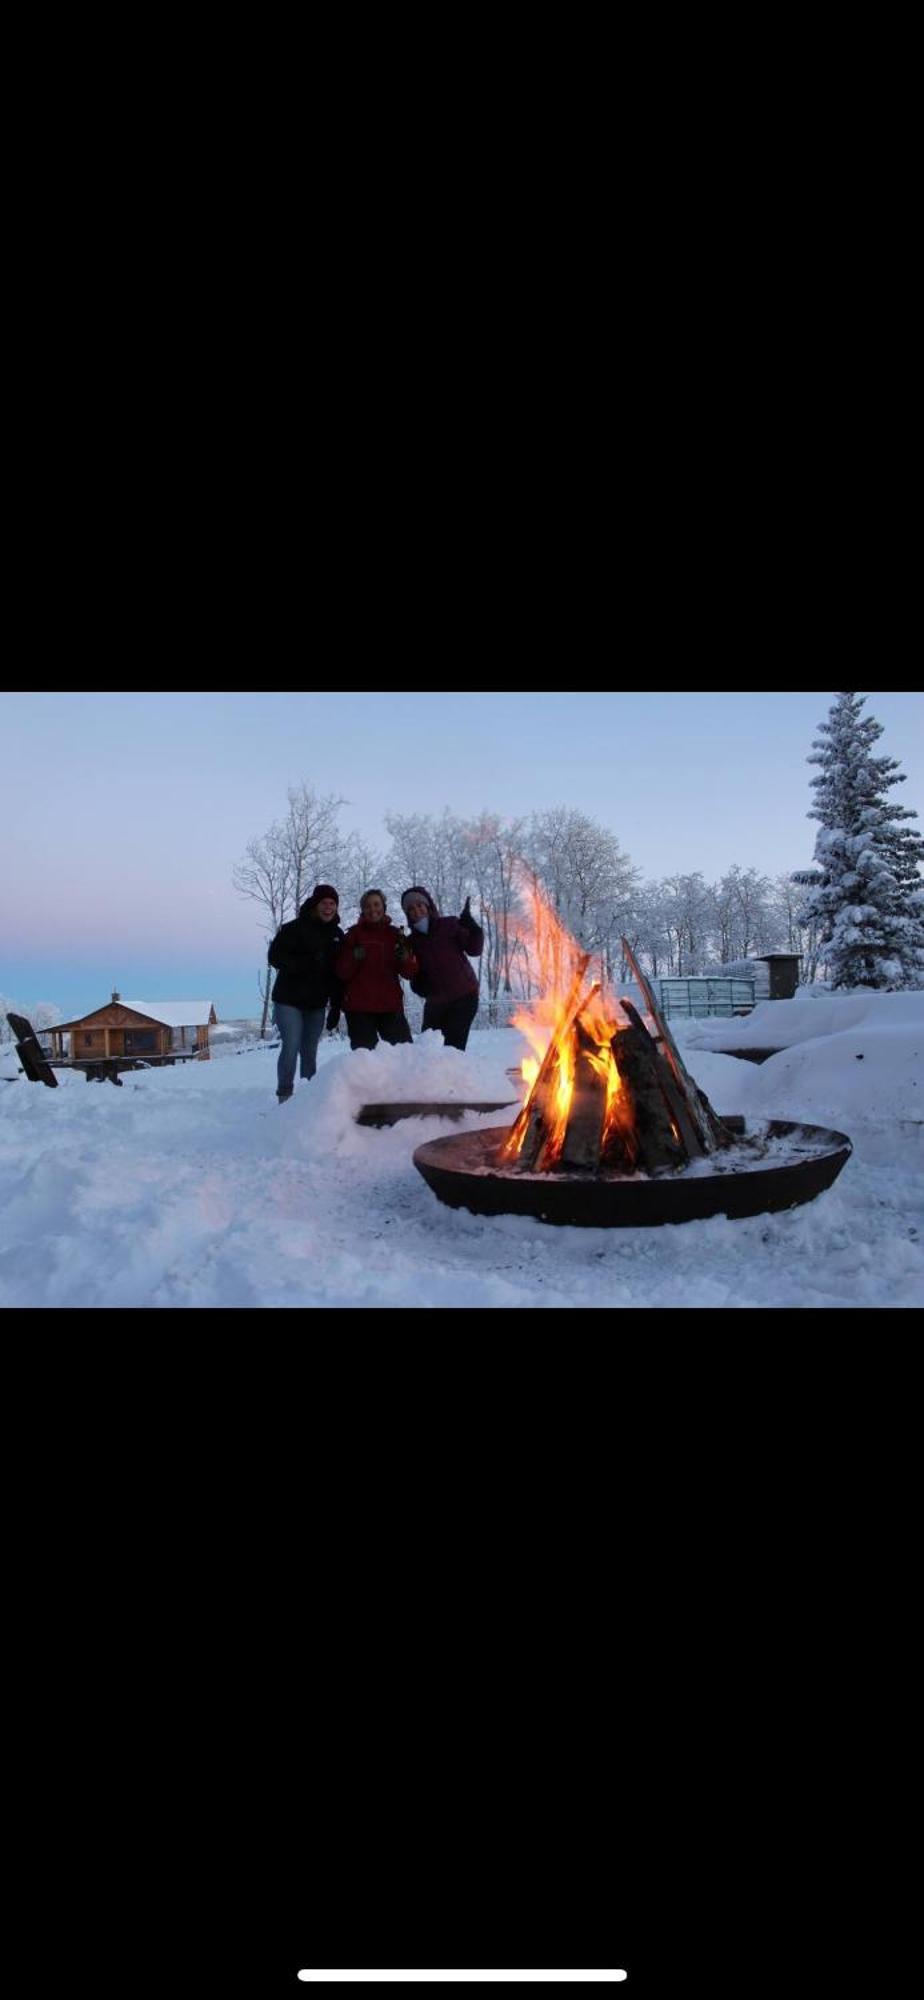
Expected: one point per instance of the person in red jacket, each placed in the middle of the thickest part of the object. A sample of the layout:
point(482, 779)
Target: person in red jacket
point(372, 961)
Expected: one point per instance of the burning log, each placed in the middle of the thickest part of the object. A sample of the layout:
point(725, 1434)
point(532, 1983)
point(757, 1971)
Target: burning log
point(606, 1102)
point(709, 1129)
point(654, 1139)
point(680, 1116)
point(537, 1118)
point(586, 1118)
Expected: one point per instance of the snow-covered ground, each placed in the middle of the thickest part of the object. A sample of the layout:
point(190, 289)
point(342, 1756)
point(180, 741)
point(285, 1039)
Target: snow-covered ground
point(193, 1187)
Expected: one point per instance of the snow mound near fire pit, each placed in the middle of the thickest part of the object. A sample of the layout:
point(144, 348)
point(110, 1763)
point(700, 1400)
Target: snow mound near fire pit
point(324, 1112)
point(869, 1081)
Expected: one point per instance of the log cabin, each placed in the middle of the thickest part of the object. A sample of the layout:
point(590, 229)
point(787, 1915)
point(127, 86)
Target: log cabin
point(147, 1030)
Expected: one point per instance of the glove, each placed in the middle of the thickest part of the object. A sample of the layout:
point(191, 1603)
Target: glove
point(359, 951)
point(333, 1019)
point(466, 916)
point(402, 953)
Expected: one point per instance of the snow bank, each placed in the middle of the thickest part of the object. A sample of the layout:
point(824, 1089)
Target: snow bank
point(778, 1024)
point(854, 1062)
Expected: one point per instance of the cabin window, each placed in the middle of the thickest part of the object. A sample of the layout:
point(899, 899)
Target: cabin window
point(139, 1041)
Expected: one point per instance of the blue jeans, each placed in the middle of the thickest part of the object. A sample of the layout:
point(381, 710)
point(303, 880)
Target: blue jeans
point(301, 1033)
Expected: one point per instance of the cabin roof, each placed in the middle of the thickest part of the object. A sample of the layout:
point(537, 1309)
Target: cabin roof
point(175, 1013)
point(167, 1013)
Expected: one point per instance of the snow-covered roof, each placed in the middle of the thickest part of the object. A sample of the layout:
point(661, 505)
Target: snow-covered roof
point(174, 1013)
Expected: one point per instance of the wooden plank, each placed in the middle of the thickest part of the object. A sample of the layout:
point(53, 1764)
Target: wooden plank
point(392, 1114)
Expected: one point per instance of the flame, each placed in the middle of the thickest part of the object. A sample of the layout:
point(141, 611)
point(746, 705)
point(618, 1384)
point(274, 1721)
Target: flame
point(604, 1064)
point(551, 1030)
point(563, 1094)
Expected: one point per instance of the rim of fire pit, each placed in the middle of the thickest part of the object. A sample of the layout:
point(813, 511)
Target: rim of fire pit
point(390, 1114)
point(459, 1170)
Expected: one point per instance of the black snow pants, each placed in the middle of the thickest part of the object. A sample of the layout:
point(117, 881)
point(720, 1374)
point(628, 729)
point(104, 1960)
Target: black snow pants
point(365, 1029)
point(455, 1017)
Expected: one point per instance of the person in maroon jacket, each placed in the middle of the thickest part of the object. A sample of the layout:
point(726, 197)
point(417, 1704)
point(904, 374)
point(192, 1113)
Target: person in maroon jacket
point(444, 979)
point(371, 963)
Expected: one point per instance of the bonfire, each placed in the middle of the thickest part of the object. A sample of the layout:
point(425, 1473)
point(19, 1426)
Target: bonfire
point(608, 1091)
point(614, 1133)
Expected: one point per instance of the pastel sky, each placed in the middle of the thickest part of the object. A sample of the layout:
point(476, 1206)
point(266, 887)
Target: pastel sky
point(124, 814)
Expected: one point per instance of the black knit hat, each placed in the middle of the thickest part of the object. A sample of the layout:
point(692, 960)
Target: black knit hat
point(320, 890)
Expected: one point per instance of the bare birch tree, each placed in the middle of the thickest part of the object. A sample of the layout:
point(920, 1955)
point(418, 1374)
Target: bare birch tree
point(311, 838)
point(278, 868)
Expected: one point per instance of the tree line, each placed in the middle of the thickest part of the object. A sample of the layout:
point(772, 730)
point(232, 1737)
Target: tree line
point(678, 926)
point(855, 919)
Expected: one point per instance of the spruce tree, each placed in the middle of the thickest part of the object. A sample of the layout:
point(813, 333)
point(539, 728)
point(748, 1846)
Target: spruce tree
point(866, 892)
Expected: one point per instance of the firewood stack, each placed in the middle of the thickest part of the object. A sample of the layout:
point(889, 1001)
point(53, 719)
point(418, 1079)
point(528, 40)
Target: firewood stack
point(647, 1118)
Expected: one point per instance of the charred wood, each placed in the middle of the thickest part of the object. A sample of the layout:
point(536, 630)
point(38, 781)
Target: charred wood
point(708, 1127)
point(658, 1135)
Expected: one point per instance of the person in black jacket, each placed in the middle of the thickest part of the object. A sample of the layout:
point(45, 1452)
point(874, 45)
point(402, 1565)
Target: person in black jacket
point(303, 952)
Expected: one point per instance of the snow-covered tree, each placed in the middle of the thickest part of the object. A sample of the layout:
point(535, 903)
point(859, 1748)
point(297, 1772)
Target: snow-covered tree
point(746, 915)
point(311, 837)
point(590, 882)
point(495, 847)
point(434, 853)
point(650, 935)
point(866, 892)
point(354, 867)
point(265, 876)
point(43, 1014)
point(687, 913)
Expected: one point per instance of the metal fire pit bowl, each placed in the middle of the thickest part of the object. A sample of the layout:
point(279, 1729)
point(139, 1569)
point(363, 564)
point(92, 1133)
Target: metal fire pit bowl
point(390, 1114)
point(464, 1170)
